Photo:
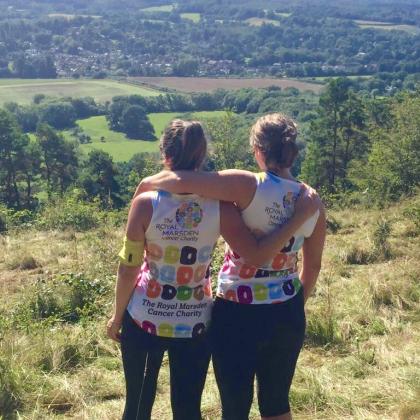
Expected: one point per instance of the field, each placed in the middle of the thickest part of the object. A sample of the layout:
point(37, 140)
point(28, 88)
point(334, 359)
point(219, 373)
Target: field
point(360, 359)
point(207, 84)
point(23, 90)
point(70, 17)
point(255, 21)
point(164, 8)
point(195, 17)
point(365, 24)
point(117, 145)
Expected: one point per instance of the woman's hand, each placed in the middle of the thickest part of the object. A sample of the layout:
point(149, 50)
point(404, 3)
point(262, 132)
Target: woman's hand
point(166, 180)
point(307, 203)
point(113, 328)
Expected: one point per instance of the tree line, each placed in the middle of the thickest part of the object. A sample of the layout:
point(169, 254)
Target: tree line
point(351, 146)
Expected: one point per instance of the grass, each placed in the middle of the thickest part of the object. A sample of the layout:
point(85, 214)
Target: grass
point(195, 17)
point(164, 8)
point(23, 90)
point(67, 16)
point(121, 148)
point(255, 21)
point(353, 365)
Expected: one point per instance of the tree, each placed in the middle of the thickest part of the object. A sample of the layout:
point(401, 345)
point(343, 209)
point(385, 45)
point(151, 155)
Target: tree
point(337, 137)
point(12, 148)
point(186, 67)
point(99, 179)
point(136, 125)
point(59, 115)
point(393, 167)
point(59, 159)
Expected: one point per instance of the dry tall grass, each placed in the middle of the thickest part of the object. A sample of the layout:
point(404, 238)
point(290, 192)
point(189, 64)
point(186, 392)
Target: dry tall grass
point(360, 361)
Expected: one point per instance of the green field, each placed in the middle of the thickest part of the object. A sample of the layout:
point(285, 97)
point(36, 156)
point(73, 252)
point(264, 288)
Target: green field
point(67, 16)
point(23, 90)
point(164, 8)
point(195, 17)
point(121, 148)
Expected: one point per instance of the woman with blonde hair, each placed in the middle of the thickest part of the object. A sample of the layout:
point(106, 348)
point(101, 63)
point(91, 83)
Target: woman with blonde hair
point(258, 319)
point(163, 296)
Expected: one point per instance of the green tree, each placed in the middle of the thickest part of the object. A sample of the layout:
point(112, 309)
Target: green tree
point(337, 137)
point(136, 124)
point(59, 163)
point(13, 146)
point(393, 167)
point(58, 115)
point(99, 179)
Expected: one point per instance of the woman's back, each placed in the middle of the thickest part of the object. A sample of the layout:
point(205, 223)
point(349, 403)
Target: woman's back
point(278, 279)
point(173, 294)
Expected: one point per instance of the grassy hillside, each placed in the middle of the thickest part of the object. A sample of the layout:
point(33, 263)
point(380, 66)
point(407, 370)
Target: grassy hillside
point(360, 359)
point(121, 148)
point(23, 90)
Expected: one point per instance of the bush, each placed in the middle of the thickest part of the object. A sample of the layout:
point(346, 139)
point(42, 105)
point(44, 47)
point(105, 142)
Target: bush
point(333, 225)
point(382, 248)
point(22, 262)
point(70, 213)
point(356, 255)
point(3, 222)
point(412, 212)
point(9, 390)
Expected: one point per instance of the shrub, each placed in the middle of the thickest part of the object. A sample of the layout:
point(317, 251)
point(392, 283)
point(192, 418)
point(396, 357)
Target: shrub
point(70, 213)
point(10, 390)
point(356, 255)
point(333, 225)
point(4, 219)
point(381, 246)
point(22, 262)
point(413, 213)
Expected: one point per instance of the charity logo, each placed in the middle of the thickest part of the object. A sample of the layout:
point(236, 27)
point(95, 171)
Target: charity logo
point(289, 200)
point(189, 215)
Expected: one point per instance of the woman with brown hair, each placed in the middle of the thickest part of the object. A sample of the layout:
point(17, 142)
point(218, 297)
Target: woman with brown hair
point(258, 319)
point(163, 294)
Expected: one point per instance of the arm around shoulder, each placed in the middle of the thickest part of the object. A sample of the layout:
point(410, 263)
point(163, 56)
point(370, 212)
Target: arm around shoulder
point(312, 254)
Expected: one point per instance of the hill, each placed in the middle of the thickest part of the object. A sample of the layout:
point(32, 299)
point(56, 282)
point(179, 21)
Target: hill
point(359, 360)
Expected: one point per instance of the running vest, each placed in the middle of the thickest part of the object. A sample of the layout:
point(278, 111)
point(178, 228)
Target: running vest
point(173, 295)
point(278, 279)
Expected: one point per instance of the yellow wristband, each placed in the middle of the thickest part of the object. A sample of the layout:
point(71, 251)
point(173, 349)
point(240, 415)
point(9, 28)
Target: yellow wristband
point(131, 253)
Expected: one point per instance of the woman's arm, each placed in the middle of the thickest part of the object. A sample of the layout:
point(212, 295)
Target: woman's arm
point(257, 251)
point(231, 185)
point(312, 255)
point(129, 268)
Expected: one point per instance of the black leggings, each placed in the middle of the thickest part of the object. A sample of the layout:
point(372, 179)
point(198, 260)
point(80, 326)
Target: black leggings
point(256, 340)
point(142, 355)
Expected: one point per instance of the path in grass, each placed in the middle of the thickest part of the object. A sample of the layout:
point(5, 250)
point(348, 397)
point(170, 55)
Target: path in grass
point(121, 148)
point(23, 90)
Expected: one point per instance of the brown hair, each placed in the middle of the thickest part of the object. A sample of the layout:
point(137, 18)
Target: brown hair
point(183, 145)
point(275, 135)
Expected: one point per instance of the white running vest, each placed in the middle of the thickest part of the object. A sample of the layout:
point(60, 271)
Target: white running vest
point(278, 279)
point(173, 295)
